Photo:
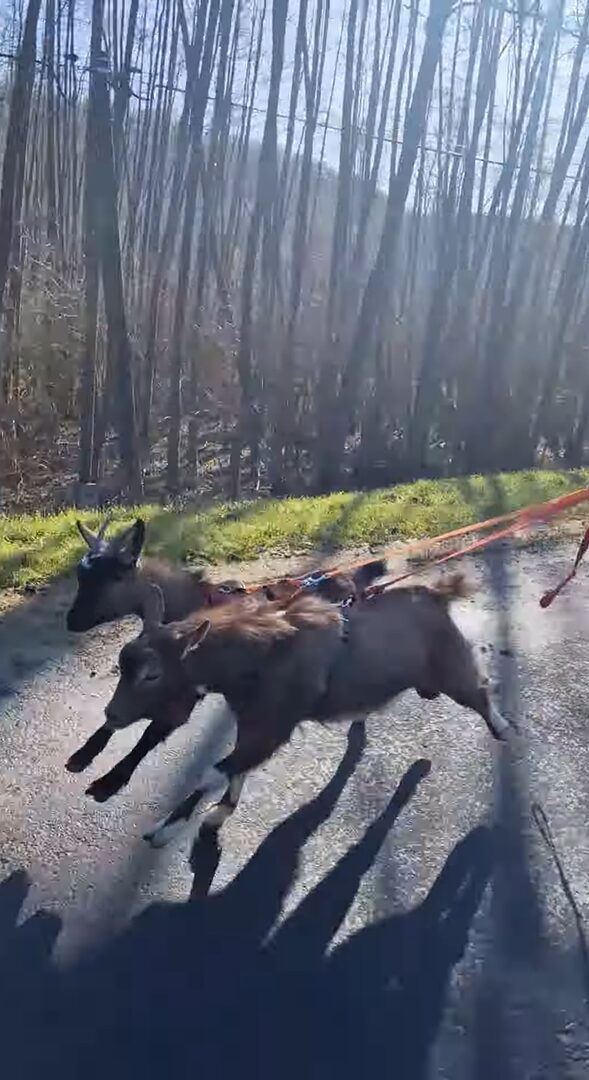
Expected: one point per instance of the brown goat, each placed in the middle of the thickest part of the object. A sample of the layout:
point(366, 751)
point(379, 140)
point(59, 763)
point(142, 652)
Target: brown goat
point(111, 584)
point(278, 666)
point(173, 583)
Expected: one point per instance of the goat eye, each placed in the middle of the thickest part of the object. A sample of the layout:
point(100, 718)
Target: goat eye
point(151, 676)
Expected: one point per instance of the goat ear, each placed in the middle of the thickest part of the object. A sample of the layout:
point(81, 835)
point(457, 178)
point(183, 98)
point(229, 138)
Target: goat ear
point(130, 543)
point(86, 535)
point(194, 638)
point(153, 607)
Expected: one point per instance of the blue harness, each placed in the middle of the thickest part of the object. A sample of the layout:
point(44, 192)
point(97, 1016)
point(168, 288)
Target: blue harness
point(312, 583)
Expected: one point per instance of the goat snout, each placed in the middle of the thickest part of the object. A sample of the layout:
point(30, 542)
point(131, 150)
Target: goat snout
point(113, 717)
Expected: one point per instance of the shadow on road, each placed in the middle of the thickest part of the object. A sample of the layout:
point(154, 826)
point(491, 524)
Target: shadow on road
point(516, 1013)
point(213, 985)
point(32, 634)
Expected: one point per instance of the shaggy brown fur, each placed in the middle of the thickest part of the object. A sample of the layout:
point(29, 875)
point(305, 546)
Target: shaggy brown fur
point(453, 587)
point(255, 620)
point(335, 586)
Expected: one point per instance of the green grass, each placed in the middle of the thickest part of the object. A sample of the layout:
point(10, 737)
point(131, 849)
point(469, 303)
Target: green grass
point(35, 548)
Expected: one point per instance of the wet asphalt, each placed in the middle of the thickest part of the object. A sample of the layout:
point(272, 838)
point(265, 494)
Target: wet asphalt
point(413, 904)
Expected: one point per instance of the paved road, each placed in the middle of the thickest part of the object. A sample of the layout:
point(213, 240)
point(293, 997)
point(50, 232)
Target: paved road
point(387, 910)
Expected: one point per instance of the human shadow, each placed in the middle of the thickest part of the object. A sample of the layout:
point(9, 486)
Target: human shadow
point(27, 978)
point(285, 842)
point(374, 1005)
point(220, 983)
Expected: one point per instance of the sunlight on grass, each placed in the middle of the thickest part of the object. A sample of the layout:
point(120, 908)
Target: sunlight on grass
point(34, 548)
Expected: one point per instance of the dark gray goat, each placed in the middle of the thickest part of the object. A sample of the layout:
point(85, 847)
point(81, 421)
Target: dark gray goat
point(278, 665)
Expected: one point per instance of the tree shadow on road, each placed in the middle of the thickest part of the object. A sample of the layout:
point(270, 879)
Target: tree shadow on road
point(514, 1007)
point(216, 985)
point(32, 634)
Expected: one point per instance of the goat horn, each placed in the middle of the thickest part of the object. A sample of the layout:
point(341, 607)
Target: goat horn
point(104, 527)
point(86, 535)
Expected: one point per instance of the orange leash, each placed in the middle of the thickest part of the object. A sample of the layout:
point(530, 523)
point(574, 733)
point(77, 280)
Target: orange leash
point(526, 515)
point(477, 545)
point(513, 521)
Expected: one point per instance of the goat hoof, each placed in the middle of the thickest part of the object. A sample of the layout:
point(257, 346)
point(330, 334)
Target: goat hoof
point(77, 763)
point(163, 833)
point(156, 839)
point(101, 790)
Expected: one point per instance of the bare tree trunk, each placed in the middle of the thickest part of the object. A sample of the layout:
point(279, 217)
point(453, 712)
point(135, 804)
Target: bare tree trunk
point(177, 191)
point(194, 167)
point(250, 422)
point(16, 140)
point(285, 404)
point(89, 450)
point(50, 128)
point(107, 233)
point(379, 282)
point(123, 91)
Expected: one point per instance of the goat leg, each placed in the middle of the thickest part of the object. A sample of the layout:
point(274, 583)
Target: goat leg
point(227, 805)
point(91, 749)
point(205, 852)
point(252, 748)
point(108, 785)
point(164, 830)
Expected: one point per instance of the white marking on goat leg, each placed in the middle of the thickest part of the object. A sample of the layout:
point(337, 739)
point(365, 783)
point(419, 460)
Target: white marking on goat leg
point(217, 816)
point(211, 783)
point(164, 832)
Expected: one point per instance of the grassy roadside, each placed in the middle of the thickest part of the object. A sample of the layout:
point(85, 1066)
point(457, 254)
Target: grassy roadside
point(35, 548)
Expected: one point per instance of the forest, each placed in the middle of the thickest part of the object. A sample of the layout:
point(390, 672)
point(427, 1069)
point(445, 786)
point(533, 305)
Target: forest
point(289, 247)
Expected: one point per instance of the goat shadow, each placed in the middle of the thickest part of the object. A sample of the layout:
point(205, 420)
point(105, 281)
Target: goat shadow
point(207, 983)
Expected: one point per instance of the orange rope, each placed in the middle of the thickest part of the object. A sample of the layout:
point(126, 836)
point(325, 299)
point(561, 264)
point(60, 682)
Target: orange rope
point(528, 514)
point(477, 545)
point(534, 512)
point(517, 519)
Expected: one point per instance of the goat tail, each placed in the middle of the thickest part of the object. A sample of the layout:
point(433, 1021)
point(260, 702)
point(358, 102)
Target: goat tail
point(453, 587)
